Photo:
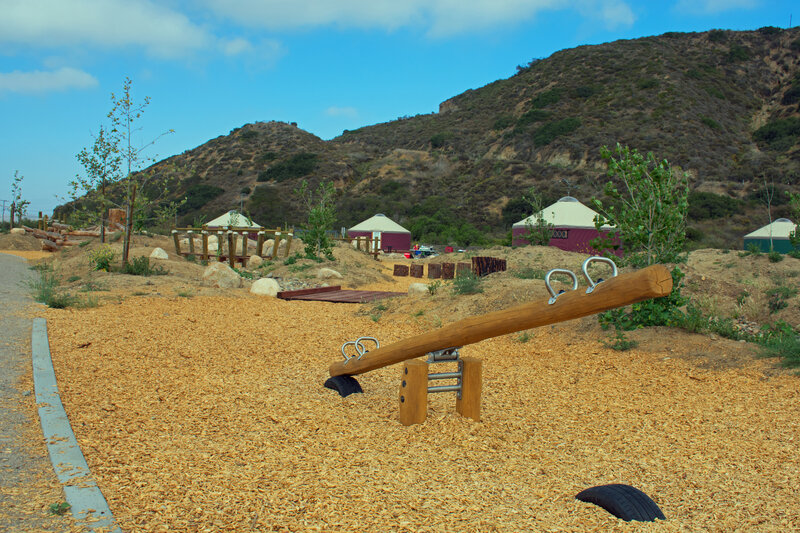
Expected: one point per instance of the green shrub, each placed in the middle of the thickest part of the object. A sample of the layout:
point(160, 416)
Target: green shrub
point(585, 91)
point(547, 98)
point(779, 135)
point(548, 133)
point(530, 273)
point(754, 250)
point(467, 283)
point(775, 257)
point(795, 254)
point(620, 342)
point(433, 287)
point(297, 166)
point(777, 298)
point(197, 196)
point(440, 139)
point(781, 340)
point(140, 266)
point(647, 83)
point(710, 122)
point(770, 30)
point(717, 36)
point(502, 122)
point(704, 205)
point(101, 258)
point(737, 52)
point(45, 290)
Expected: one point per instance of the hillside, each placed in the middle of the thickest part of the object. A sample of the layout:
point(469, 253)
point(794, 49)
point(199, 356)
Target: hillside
point(722, 105)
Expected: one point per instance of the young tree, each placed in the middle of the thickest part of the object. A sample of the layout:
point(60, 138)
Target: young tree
point(124, 113)
point(794, 206)
point(101, 163)
point(321, 215)
point(538, 231)
point(19, 206)
point(649, 213)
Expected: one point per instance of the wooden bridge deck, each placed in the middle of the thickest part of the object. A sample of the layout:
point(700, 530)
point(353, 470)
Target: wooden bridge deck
point(336, 294)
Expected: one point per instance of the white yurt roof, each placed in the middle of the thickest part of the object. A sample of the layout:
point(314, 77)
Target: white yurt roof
point(780, 229)
point(233, 219)
point(567, 212)
point(379, 222)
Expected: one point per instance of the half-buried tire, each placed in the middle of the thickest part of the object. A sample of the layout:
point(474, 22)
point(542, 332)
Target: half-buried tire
point(622, 501)
point(344, 385)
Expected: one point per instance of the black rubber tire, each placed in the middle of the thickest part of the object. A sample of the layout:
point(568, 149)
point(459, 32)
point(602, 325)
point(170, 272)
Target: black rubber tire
point(344, 385)
point(623, 501)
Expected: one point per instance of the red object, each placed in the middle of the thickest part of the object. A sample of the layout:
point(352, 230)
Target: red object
point(448, 249)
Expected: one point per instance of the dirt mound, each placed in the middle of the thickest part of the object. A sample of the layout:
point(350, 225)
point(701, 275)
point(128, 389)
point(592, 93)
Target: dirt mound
point(19, 242)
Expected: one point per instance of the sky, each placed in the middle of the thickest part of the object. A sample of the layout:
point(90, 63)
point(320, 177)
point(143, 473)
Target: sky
point(210, 66)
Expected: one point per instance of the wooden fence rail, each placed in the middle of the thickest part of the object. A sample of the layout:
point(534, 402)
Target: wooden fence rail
point(228, 235)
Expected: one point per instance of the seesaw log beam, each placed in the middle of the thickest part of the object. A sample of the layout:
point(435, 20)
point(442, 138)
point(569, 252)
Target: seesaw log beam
point(651, 282)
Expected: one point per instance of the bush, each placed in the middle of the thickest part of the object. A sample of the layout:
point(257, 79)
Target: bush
point(140, 266)
point(467, 283)
point(197, 196)
point(502, 122)
point(779, 135)
point(737, 52)
point(548, 133)
point(101, 258)
point(297, 166)
point(547, 98)
point(775, 257)
point(717, 36)
point(440, 139)
point(777, 298)
point(710, 122)
point(704, 205)
point(45, 290)
point(647, 83)
point(530, 273)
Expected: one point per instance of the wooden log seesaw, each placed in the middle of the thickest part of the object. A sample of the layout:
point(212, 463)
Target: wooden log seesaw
point(442, 345)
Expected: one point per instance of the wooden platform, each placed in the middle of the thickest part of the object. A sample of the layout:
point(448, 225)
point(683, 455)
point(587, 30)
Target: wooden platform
point(336, 294)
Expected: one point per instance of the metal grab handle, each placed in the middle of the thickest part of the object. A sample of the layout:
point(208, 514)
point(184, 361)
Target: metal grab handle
point(597, 259)
point(570, 273)
point(360, 348)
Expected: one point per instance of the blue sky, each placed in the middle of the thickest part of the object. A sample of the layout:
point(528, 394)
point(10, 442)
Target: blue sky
point(210, 66)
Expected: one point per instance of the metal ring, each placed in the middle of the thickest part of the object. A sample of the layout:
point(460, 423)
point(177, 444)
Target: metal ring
point(346, 357)
point(597, 259)
point(570, 273)
point(361, 349)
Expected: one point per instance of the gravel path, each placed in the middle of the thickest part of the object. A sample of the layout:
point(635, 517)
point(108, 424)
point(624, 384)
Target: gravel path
point(28, 484)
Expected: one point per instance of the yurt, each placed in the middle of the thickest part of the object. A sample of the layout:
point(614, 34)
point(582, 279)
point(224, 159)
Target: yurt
point(573, 226)
point(778, 231)
point(393, 236)
point(232, 219)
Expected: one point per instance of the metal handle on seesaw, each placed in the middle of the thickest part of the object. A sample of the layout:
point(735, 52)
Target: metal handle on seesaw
point(360, 348)
point(597, 259)
point(553, 294)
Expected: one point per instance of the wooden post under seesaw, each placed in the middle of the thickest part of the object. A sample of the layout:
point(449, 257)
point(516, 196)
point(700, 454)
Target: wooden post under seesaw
point(651, 282)
point(414, 393)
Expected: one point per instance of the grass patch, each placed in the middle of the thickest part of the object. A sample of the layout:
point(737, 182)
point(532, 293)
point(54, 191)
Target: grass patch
point(73, 278)
point(530, 273)
point(469, 283)
point(620, 342)
point(140, 266)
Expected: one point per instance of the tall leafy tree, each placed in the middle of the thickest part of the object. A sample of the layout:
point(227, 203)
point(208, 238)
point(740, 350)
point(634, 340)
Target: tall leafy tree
point(648, 207)
point(538, 230)
point(321, 215)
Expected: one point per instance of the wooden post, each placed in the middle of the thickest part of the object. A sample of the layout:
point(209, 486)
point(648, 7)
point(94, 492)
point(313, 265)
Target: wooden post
point(260, 244)
point(276, 243)
point(414, 393)
point(177, 241)
point(231, 249)
point(191, 242)
point(288, 243)
point(204, 233)
point(39, 222)
point(469, 405)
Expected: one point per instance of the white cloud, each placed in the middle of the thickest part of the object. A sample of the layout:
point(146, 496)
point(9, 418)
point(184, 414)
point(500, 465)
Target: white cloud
point(235, 47)
point(108, 23)
point(346, 112)
point(709, 7)
point(439, 17)
point(39, 82)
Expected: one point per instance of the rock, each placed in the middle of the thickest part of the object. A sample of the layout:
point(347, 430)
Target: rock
point(255, 261)
point(268, 245)
point(328, 273)
point(222, 276)
point(418, 288)
point(265, 287)
point(17, 231)
point(158, 253)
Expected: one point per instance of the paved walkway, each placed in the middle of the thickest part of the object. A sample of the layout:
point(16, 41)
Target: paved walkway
point(28, 484)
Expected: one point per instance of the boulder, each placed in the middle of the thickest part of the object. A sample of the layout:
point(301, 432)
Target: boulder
point(255, 261)
point(158, 253)
point(328, 273)
point(222, 276)
point(268, 245)
point(265, 287)
point(17, 231)
point(418, 288)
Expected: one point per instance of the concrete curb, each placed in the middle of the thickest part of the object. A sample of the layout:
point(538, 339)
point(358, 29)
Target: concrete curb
point(89, 506)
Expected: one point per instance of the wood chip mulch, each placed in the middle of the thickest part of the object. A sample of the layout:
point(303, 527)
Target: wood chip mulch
point(209, 414)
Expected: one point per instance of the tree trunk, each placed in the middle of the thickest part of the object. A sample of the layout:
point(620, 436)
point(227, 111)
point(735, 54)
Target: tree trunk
point(128, 226)
point(103, 214)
